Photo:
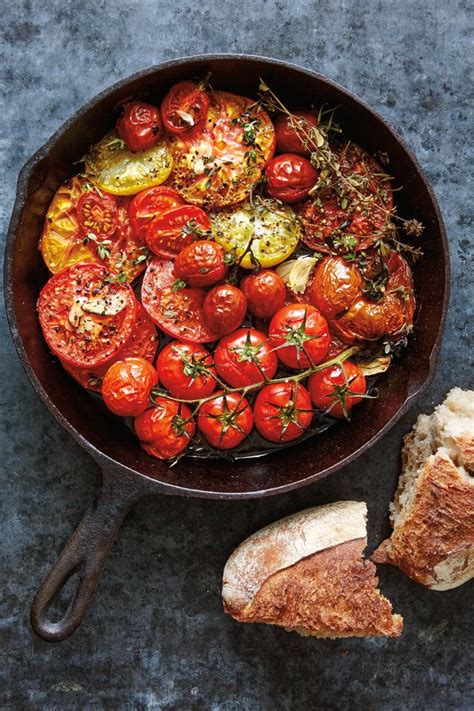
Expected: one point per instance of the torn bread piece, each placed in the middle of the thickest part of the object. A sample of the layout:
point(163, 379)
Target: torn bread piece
point(432, 514)
point(306, 573)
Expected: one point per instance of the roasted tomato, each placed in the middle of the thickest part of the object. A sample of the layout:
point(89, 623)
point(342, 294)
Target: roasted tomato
point(169, 233)
point(117, 170)
point(127, 385)
point(352, 220)
point(166, 429)
point(201, 263)
point(143, 343)
point(263, 233)
point(244, 357)
point(149, 204)
point(283, 411)
point(293, 134)
point(224, 308)
point(290, 177)
point(362, 309)
point(186, 370)
point(300, 335)
point(177, 310)
point(226, 420)
point(83, 225)
point(184, 107)
point(265, 292)
point(86, 318)
point(139, 126)
point(337, 388)
point(218, 162)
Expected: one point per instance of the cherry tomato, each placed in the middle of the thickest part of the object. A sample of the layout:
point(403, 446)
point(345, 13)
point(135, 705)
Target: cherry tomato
point(244, 357)
point(149, 204)
point(177, 310)
point(127, 385)
point(265, 292)
point(85, 317)
point(226, 420)
point(139, 126)
point(97, 214)
point(143, 343)
point(224, 308)
point(166, 429)
point(282, 411)
point(219, 162)
point(186, 370)
point(292, 134)
point(184, 107)
point(168, 234)
point(201, 263)
point(300, 334)
point(336, 389)
point(290, 177)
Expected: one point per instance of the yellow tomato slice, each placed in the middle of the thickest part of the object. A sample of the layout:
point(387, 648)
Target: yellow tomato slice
point(218, 163)
point(63, 242)
point(115, 169)
point(263, 233)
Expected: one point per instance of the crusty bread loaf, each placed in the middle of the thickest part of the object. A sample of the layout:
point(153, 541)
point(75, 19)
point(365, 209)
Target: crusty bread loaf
point(433, 511)
point(306, 573)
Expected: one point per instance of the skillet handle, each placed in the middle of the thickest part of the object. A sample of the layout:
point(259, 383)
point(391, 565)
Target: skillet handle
point(85, 555)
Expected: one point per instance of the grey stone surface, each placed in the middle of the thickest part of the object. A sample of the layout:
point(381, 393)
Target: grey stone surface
point(156, 636)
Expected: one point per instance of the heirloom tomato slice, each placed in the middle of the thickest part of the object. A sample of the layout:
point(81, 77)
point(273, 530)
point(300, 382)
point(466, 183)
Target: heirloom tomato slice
point(219, 161)
point(177, 310)
point(86, 315)
point(149, 204)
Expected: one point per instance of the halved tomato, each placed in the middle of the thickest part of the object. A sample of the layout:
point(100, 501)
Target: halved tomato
point(112, 167)
point(149, 204)
point(177, 310)
point(86, 315)
point(84, 225)
point(143, 343)
point(262, 233)
point(217, 163)
point(169, 233)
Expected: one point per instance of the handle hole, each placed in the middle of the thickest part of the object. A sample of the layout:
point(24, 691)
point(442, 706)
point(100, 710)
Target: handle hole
point(64, 598)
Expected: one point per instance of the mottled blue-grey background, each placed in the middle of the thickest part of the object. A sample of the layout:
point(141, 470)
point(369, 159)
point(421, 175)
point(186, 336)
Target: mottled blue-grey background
point(156, 637)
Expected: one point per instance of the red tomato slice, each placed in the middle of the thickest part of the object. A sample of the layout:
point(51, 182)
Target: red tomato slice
point(149, 204)
point(86, 319)
point(169, 233)
point(178, 312)
point(143, 343)
point(184, 107)
point(217, 163)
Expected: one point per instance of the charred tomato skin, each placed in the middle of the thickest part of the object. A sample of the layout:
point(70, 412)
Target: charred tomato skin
point(224, 308)
point(166, 429)
point(290, 177)
point(300, 335)
point(244, 357)
point(283, 411)
point(139, 126)
point(226, 420)
point(186, 370)
point(201, 263)
point(127, 385)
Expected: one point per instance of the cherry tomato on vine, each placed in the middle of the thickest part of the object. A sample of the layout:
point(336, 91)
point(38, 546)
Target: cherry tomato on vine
point(244, 357)
point(283, 411)
point(186, 370)
point(127, 385)
point(184, 107)
point(149, 204)
point(224, 308)
point(166, 429)
point(169, 233)
point(290, 177)
point(97, 214)
point(300, 335)
point(265, 292)
point(201, 263)
point(139, 127)
point(292, 133)
point(226, 420)
point(337, 388)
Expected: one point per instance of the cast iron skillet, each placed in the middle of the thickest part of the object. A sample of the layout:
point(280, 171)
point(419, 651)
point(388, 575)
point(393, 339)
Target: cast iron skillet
point(128, 474)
